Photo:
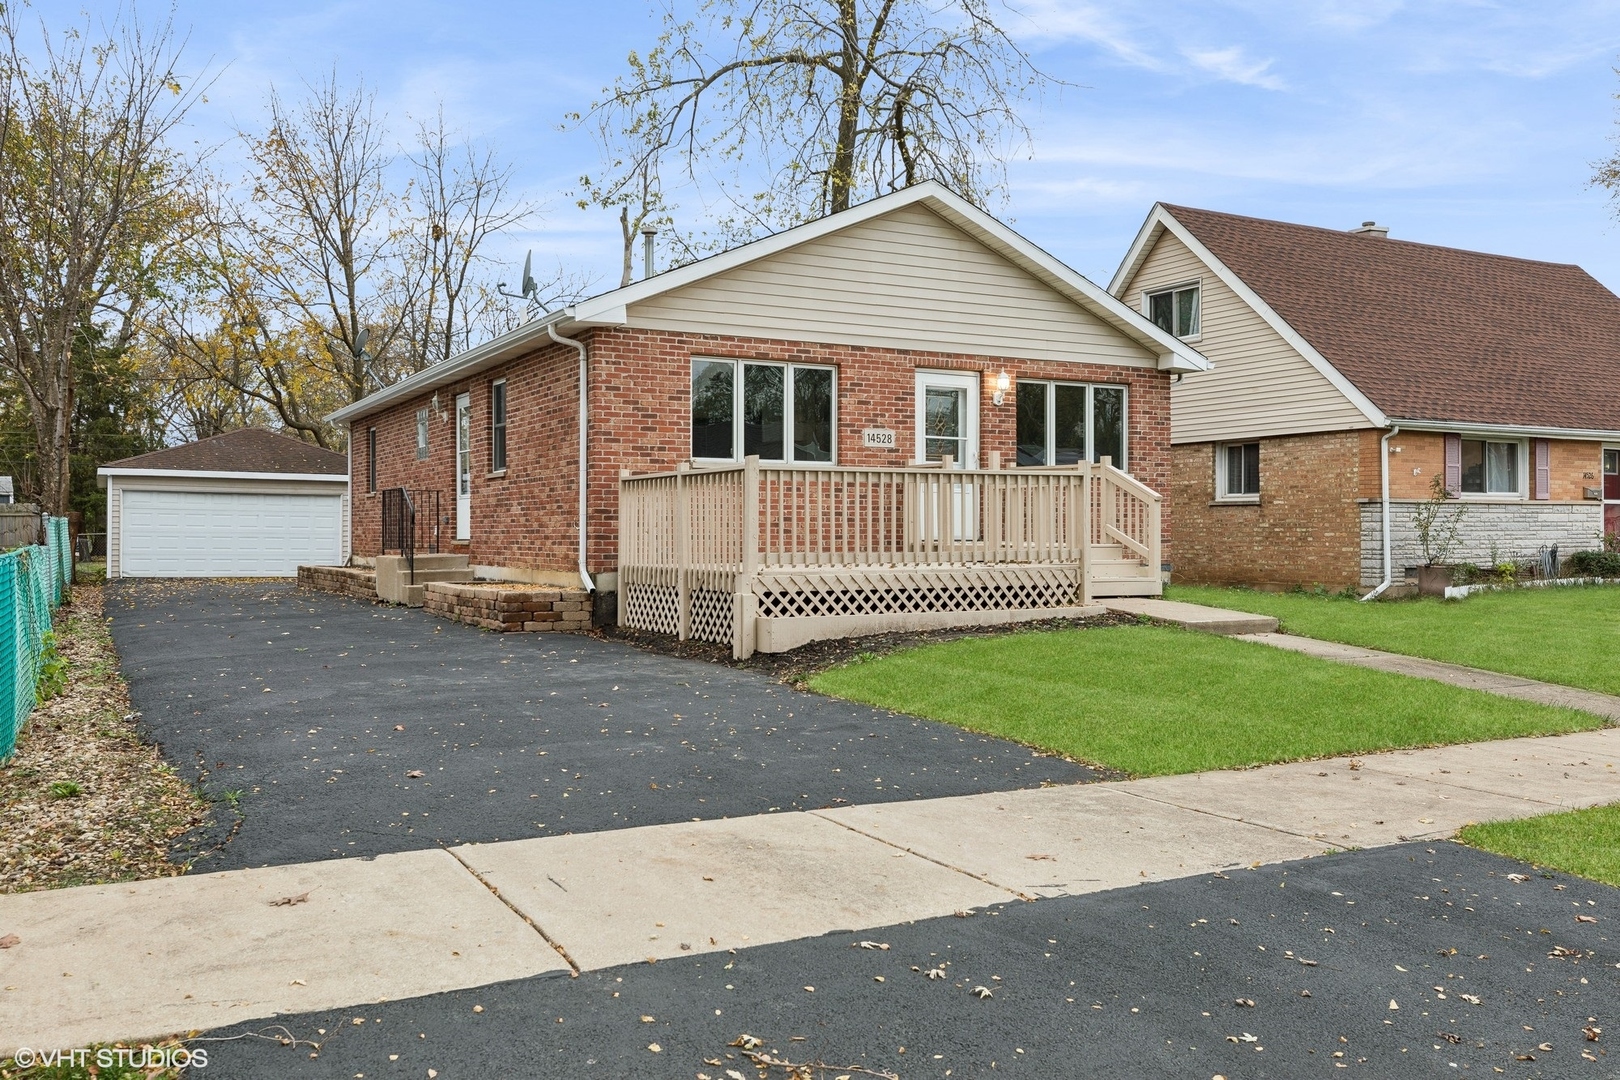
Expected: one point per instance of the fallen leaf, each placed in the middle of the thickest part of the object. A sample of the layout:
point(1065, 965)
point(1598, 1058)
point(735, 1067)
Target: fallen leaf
point(478, 1008)
point(655, 1048)
point(1518, 877)
point(289, 901)
point(936, 973)
point(746, 1042)
point(1586, 918)
point(1038, 858)
point(1247, 1003)
point(872, 945)
point(1591, 1031)
point(1545, 1048)
point(9, 941)
point(648, 1020)
point(414, 774)
point(1394, 1005)
point(1472, 999)
point(982, 992)
point(399, 727)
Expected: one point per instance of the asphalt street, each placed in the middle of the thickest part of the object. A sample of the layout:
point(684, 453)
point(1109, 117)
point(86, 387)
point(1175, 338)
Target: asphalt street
point(1421, 960)
point(326, 727)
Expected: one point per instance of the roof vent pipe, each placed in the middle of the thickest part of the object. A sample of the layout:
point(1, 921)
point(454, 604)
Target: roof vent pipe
point(648, 232)
point(1373, 229)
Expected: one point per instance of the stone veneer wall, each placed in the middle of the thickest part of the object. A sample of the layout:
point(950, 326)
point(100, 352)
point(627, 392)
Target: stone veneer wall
point(1517, 529)
point(343, 580)
point(503, 608)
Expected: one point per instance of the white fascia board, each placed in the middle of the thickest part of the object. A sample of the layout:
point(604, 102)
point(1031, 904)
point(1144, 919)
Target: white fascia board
point(190, 474)
point(1138, 251)
point(1518, 431)
point(1161, 220)
point(494, 351)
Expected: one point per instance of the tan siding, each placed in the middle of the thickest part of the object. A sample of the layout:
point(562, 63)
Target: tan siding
point(1260, 386)
point(908, 280)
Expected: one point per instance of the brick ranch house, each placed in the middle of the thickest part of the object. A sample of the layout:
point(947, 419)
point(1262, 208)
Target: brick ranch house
point(1351, 370)
point(911, 329)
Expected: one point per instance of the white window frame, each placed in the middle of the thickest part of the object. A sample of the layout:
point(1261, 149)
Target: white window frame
point(1197, 285)
point(502, 427)
point(787, 407)
point(1091, 400)
point(1221, 494)
point(1521, 471)
point(423, 417)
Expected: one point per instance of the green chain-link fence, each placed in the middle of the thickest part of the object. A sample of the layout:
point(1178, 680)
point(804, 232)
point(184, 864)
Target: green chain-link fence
point(32, 581)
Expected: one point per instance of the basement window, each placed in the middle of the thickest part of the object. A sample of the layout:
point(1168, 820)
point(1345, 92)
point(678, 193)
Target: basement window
point(781, 412)
point(1237, 472)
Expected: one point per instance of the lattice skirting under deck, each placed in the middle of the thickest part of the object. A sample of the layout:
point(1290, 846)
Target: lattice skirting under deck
point(902, 591)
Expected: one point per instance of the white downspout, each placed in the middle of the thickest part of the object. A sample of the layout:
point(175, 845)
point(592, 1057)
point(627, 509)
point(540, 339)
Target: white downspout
point(579, 346)
point(1383, 471)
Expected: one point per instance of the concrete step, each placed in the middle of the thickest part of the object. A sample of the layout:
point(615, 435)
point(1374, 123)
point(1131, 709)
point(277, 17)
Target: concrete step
point(1118, 587)
point(426, 561)
point(1211, 620)
point(451, 574)
point(1120, 568)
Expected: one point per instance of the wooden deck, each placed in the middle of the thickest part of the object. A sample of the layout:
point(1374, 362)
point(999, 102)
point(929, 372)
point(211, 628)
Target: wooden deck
point(768, 557)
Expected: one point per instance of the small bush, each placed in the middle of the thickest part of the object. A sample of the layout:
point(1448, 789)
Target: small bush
point(1595, 563)
point(52, 671)
point(66, 789)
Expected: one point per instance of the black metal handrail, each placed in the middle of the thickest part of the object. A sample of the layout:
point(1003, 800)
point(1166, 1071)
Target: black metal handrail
point(410, 522)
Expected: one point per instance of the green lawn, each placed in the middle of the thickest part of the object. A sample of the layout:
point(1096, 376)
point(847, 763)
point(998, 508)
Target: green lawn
point(1153, 700)
point(1568, 635)
point(1584, 842)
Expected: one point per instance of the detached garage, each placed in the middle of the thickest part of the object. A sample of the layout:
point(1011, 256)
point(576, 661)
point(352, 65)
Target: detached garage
point(248, 503)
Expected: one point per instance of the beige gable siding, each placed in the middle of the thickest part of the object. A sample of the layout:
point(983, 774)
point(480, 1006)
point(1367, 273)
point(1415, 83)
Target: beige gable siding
point(907, 280)
point(1261, 385)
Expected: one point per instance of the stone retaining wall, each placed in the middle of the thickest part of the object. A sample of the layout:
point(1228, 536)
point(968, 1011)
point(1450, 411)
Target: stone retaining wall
point(344, 580)
point(1509, 530)
point(499, 606)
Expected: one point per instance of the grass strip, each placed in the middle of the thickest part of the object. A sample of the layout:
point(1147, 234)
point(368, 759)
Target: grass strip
point(1583, 842)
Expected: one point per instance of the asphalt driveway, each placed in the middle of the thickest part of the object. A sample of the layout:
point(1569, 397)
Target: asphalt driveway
point(326, 727)
point(1421, 960)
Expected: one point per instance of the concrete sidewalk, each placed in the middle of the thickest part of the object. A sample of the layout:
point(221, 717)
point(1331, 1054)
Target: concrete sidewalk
point(146, 958)
point(1491, 682)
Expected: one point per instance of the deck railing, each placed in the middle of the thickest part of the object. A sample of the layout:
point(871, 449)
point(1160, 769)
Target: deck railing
point(705, 550)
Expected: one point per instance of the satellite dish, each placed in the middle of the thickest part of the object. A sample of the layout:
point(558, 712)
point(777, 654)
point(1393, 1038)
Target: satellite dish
point(530, 290)
point(360, 341)
point(529, 287)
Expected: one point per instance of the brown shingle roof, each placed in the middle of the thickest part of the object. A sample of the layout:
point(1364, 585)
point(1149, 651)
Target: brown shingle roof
point(249, 450)
point(1434, 333)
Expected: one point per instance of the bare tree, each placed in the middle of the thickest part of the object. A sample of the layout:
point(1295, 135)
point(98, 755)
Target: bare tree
point(95, 205)
point(830, 101)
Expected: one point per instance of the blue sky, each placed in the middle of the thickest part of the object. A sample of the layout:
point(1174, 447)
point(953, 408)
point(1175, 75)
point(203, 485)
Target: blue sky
point(1471, 124)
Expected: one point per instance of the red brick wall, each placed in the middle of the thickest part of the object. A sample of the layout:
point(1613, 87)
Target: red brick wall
point(1305, 530)
point(640, 419)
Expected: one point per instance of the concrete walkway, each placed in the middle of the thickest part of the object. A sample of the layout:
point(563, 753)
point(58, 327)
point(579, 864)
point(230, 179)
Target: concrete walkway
point(151, 957)
point(1210, 620)
point(1492, 682)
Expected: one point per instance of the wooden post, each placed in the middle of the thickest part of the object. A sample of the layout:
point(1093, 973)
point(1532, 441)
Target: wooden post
point(1083, 535)
point(683, 517)
point(744, 604)
point(1156, 544)
point(624, 474)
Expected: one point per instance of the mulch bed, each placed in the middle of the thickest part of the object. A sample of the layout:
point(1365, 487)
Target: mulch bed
point(128, 806)
point(798, 665)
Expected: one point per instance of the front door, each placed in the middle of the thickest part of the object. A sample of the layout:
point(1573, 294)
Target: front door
point(1611, 493)
point(463, 467)
point(948, 426)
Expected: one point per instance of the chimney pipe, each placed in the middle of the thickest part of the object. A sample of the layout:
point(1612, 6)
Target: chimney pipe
point(648, 232)
point(1373, 229)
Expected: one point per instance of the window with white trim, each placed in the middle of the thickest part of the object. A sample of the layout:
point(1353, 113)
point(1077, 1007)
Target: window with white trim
point(1175, 311)
point(422, 416)
point(497, 426)
point(781, 412)
point(1066, 423)
point(1237, 472)
point(1490, 468)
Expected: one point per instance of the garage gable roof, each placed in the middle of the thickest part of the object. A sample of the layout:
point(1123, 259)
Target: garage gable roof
point(247, 451)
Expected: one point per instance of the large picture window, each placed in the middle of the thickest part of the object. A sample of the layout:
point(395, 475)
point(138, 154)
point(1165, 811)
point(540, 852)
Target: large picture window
point(781, 412)
point(1066, 423)
point(1490, 468)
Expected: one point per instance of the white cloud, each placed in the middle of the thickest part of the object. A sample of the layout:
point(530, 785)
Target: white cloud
point(1233, 65)
point(1062, 20)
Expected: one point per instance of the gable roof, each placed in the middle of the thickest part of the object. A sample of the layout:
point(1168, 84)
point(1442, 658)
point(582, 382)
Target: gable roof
point(610, 308)
point(248, 450)
point(1425, 333)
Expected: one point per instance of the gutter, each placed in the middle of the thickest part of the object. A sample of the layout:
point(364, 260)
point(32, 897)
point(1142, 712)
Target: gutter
point(579, 346)
point(1383, 476)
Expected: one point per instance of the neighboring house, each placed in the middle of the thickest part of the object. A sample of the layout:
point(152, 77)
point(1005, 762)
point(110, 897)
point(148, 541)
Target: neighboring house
point(248, 503)
point(1348, 360)
point(891, 333)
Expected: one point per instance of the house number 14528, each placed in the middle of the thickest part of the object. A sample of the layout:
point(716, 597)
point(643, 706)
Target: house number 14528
point(879, 437)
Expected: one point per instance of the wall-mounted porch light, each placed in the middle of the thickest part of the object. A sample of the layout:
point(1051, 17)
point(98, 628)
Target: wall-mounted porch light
point(1003, 384)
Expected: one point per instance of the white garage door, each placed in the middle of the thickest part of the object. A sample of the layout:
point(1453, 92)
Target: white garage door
point(228, 534)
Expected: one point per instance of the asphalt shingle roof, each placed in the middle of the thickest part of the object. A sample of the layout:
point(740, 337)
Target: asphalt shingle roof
point(248, 450)
point(1435, 333)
